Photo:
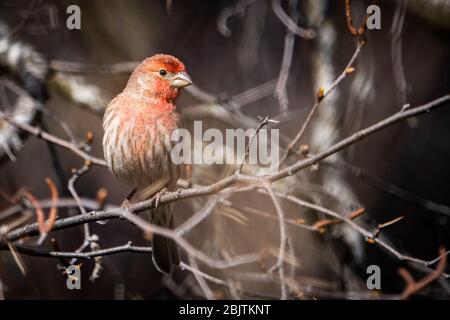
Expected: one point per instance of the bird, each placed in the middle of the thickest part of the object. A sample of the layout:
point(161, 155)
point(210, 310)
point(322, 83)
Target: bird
point(138, 124)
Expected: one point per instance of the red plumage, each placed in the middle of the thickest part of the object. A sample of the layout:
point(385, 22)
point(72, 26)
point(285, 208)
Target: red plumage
point(138, 124)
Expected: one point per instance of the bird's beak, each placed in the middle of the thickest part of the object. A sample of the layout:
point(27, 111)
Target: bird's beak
point(181, 80)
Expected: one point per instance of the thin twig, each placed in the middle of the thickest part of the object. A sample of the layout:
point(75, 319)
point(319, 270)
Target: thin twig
point(76, 174)
point(321, 225)
point(347, 70)
point(262, 123)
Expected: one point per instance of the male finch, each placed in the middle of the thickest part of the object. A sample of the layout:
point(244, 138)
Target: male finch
point(138, 124)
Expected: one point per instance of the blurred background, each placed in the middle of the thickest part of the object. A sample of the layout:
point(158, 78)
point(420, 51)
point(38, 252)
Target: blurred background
point(244, 63)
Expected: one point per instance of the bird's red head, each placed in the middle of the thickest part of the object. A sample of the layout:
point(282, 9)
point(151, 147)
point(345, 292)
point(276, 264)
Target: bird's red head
point(160, 76)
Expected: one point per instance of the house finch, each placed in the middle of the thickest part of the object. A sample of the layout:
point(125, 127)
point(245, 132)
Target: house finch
point(138, 124)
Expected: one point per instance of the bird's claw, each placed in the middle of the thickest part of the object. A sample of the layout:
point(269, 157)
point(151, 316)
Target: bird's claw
point(157, 197)
point(126, 204)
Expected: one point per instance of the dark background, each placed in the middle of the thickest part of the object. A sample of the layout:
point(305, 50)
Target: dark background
point(412, 155)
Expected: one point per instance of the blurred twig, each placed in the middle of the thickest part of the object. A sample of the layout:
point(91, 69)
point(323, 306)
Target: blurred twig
point(289, 23)
point(397, 51)
point(222, 20)
point(288, 51)
point(44, 228)
point(36, 131)
point(283, 240)
point(413, 286)
point(78, 67)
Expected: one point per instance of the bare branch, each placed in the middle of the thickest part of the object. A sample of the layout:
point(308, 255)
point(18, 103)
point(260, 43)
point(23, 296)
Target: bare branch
point(48, 137)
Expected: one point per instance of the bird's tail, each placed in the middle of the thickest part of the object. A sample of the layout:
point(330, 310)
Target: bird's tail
point(164, 250)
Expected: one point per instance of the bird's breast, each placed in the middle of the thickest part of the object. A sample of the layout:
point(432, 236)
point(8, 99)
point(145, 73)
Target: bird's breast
point(138, 146)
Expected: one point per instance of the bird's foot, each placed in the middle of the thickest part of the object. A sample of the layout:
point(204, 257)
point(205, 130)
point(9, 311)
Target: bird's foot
point(157, 197)
point(126, 204)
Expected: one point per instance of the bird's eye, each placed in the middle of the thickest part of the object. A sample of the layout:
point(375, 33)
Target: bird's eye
point(162, 72)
